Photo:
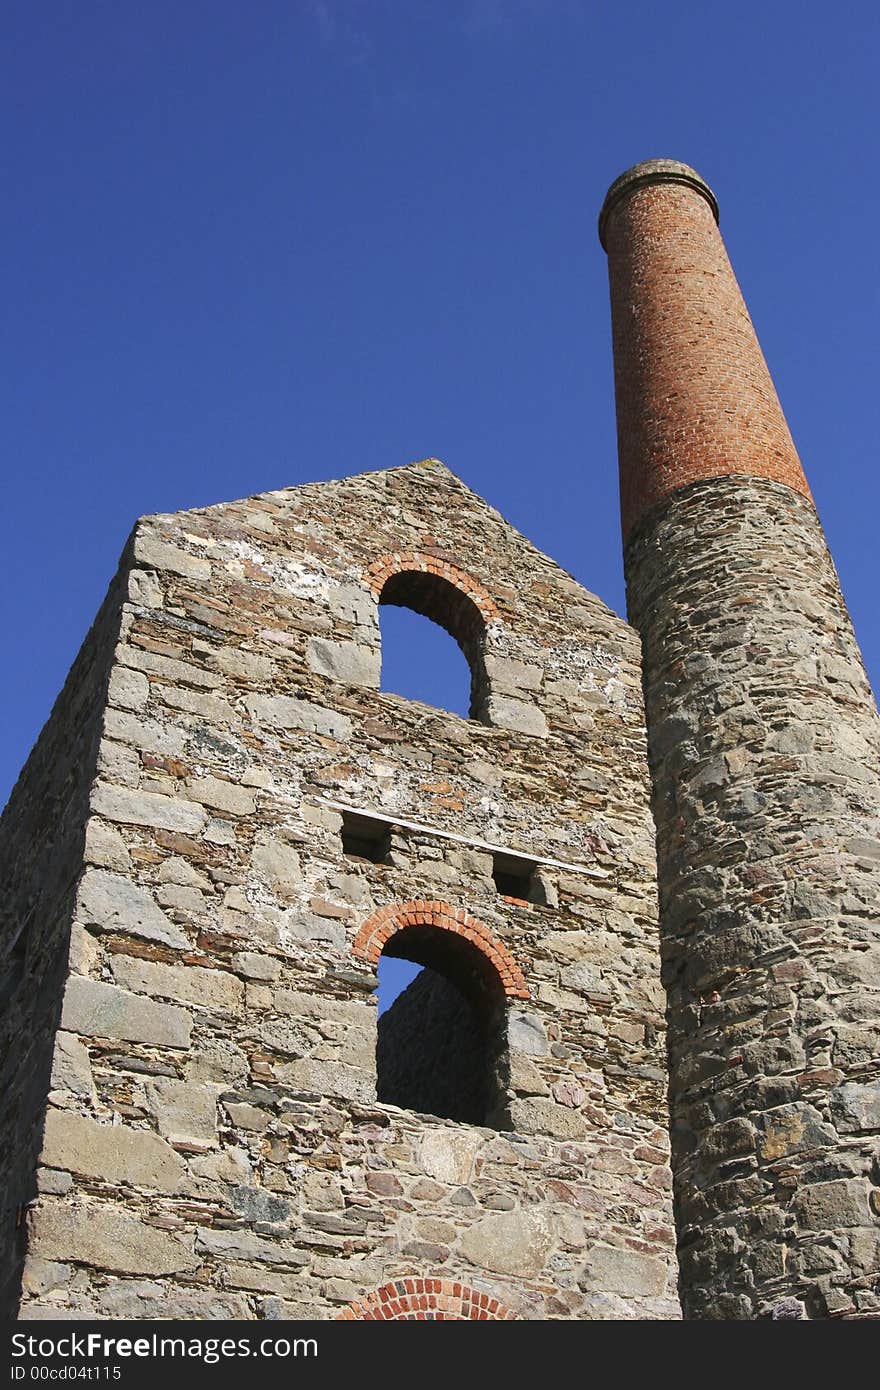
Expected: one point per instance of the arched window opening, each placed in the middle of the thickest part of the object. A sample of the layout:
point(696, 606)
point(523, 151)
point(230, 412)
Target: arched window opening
point(442, 1043)
point(449, 607)
point(422, 662)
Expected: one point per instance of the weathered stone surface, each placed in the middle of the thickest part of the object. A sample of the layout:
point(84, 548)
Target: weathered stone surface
point(832, 1205)
point(284, 712)
point(105, 847)
point(330, 1079)
point(256, 966)
point(165, 740)
point(128, 1299)
point(448, 1154)
point(538, 1116)
point(625, 1272)
point(216, 990)
point(111, 1153)
point(153, 553)
point(856, 1106)
point(42, 1275)
point(128, 689)
point(277, 862)
point(71, 1066)
point(242, 1245)
point(109, 1238)
point(185, 1112)
point(788, 1129)
point(148, 808)
point(247, 666)
point(523, 717)
point(513, 677)
point(526, 1033)
point(513, 1242)
point(222, 795)
point(112, 903)
point(248, 1117)
point(349, 662)
point(98, 1010)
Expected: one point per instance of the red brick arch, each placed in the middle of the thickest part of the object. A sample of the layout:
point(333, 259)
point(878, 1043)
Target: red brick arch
point(422, 562)
point(387, 921)
point(426, 1300)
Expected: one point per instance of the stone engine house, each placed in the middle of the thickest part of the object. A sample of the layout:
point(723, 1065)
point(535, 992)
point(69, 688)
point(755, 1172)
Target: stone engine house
point(226, 823)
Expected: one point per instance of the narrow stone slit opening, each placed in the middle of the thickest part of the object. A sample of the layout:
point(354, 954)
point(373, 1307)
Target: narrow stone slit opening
point(365, 837)
point(442, 1043)
point(515, 877)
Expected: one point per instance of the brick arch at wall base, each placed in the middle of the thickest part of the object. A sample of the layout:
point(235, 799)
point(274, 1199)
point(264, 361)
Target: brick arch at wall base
point(379, 928)
point(427, 1300)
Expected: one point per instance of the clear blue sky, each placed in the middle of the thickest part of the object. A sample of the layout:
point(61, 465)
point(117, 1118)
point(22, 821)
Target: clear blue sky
point(249, 246)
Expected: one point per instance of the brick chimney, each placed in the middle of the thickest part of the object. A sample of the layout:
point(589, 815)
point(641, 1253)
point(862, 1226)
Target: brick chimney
point(765, 755)
point(694, 396)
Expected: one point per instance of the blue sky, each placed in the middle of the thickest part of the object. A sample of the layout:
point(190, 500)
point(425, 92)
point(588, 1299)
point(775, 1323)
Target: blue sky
point(249, 246)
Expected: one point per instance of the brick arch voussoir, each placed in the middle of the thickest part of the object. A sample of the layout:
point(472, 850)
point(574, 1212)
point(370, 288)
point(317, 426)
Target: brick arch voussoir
point(386, 922)
point(426, 1300)
point(421, 562)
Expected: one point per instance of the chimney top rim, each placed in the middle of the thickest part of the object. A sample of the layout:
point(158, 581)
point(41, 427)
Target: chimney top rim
point(653, 171)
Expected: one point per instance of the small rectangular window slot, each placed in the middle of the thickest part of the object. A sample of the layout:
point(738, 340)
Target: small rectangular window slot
point(365, 838)
point(514, 877)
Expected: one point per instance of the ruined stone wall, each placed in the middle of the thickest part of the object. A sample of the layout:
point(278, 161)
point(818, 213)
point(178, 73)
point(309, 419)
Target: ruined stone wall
point(215, 1147)
point(766, 757)
point(41, 851)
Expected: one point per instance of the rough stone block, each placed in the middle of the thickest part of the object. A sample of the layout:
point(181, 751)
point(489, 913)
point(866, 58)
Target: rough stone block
point(348, 662)
point(856, 1106)
point(148, 808)
point(789, 1129)
point(111, 1153)
point(71, 1067)
point(329, 1079)
point(514, 1242)
point(832, 1205)
point(285, 712)
point(153, 553)
point(626, 1272)
point(505, 712)
point(128, 689)
point(189, 984)
point(105, 847)
point(221, 795)
point(185, 1112)
point(98, 1010)
point(448, 1155)
point(107, 1237)
point(278, 863)
point(243, 1245)
point(534, 1115)
point(113, 903)
point(513, 677)
point(526, 1033)
point(149, 735)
